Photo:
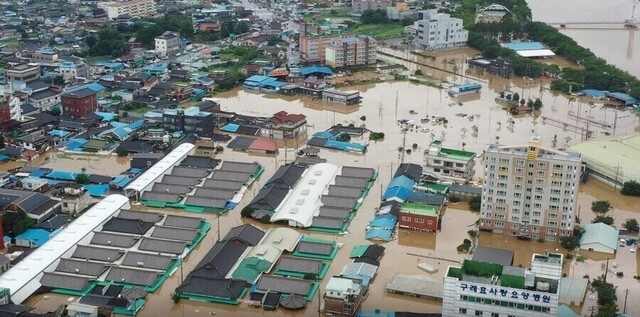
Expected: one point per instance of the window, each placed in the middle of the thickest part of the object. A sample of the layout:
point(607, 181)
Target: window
point(462, 310)
point(405, 218)
point(478, 313)
point(418, 220)
point(495, 315)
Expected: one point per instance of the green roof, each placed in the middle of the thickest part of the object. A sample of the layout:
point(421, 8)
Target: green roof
point(420, 209)
point(250, 269)
point(358, 250)
point(456, 154)
point(600, 233)
point(437, 188)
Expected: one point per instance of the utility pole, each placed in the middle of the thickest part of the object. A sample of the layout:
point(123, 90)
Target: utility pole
point(626, 294)
point(218, 221)
point(606, 271)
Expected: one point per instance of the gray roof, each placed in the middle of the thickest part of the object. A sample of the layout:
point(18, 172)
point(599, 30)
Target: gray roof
point(180, 180)
point(80, 267)
point(164, 197)
point(216, 287)
point(341, 202)
point(269, 198)
point(174, 233)
point(189, 172)
point(182, 222)
point(411, 170)
point(221, 194)
point(70, 282)
point(493, 255)
point(293, 264)
point(329, 223)
point(344, 191)
point(248, 233)
point(231, 176)
point(98, 254)
point(284, 285)
point(240, 167)
point(146, 216)
point(223, 184)
point(334, 212)
point(356, 182)
point(200, 161)
point(206, 202)
point(163, 246)
point(359, 172)
point(132, 276)
point(465, 189)
point(170, 189)
point(132, 226)
point(421, 285)
point(315, 247)
point(113, 240)
point(146, 260)
point(286, 176)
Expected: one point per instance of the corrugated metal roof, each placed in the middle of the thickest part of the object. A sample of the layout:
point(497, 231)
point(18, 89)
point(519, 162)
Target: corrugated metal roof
point(170, 233)
point(182, 222)
point(64, 281)
point(146, 260)
point(163, 246)
point(131, 276)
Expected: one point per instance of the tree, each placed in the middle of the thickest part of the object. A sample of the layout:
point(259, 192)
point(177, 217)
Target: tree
point(516, 97)
point(374, 17)
point(55, 111)
point(607, 220)
point(82, 178)
point(2, 145)
point(15, 223)
point(363, 118)
point(475, 203)
point(242, 27)
point(247, 211)
point(631, 225)
point(406, 21)
point(607, 310)
point(570, 243)
point(121, 151)
point(530, 103)
point(58, 80)
point(630, 188)
point(343, 137)
point(537, 104)
point(600, 206)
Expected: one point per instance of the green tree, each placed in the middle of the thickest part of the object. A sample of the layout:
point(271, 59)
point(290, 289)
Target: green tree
point(15, 223)
point(247, 211)
point(242, 27)
point(570, 243)
point(58, 80)
point(537, 104)
point(374, 17)
point(600, 206)
point(363, 118)
point(607, 220)
point(516, 97)
point(607, 310)
point(631, 225)
point(343, 137)
point(475, 203)
point(121, 151)
point(82, 178)
point(55, 111)
point(406, 21)
point(630, 188)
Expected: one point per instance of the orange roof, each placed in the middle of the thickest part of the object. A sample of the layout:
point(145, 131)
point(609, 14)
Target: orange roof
point(279, 72)
point(264, 145)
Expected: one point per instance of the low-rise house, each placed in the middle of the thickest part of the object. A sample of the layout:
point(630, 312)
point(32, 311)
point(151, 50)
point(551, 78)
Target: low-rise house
point(599, 237)
point(37, 206)
point(499, 66)
point(421, 217)
point(167, 43)
point(284, 125)
point(44, 99)
point(449, 164)
point(342, 97)
point(343, 296)
point(74, 198)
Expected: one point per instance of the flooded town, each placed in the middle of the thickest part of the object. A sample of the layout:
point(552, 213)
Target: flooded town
point(301, 158)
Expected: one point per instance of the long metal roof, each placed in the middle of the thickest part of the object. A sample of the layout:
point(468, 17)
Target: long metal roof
point(23, 278)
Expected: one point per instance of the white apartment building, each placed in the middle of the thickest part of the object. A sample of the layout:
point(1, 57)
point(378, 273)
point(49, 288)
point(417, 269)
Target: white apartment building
point(440, 30)
point(530, 190)
point(351, 51)
point(134, 8)
point(360, 6)
point(312, 47)
point(168, 42)
point(449, 164)
point(494, 290)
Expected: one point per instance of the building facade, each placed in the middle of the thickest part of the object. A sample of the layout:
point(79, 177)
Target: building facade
point(285, 125)
point(168, 42)
point(312, 47)
point(22, 72)
point(72, 70)
point(360, 6)
point(449, 164)
point(340, 96)
point(499, 66)
point(491, 290)
point(351, 51)
point(190, 120)
point(45, 55)
point(440, 31)
point(420, 217)
point(343, 296)
point(10, 109)
point(133, 8)
point(530, 190)
point(79, 103)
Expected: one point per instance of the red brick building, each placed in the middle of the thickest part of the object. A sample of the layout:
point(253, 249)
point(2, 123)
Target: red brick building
point(420, 217)
point(5, 112)
point(79, 103)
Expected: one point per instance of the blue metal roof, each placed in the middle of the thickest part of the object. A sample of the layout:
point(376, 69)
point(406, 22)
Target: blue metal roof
point(324, 134)
point(59, 133)
point(595, 93)
point(4, 157)
point(315, 69)
point(39, 172)
point(62, 175)
point(379, 234)
point(346, 146)
point(402, 181)
point(97, 190)
point(36, 236)
point(257, 78)
point(525, 46)
point(107, 116)
point(121, 181)
point(396, 192)
point(384, 221)
point(628, 100)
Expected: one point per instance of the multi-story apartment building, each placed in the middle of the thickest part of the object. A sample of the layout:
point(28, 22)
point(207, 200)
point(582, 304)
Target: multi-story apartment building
point(360, 6)
point(10, 108)
point(168, 42)
point(79, 103)
point(190, 120)
point(133, 8)
point(22, 72)
point(530, 190)
point(484, 289)
point(312, 47)
point(45, 55)
point(343, 296)
point(449, 164)
point(440, 30)
point(351, 51)
point(71, 70)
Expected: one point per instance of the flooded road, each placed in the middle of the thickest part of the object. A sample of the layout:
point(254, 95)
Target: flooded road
point(620, 47)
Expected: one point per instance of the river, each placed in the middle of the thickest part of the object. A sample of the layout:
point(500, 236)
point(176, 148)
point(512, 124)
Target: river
point(619, 46)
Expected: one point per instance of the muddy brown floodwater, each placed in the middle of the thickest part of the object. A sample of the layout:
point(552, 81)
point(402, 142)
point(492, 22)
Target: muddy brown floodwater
point(383, 104)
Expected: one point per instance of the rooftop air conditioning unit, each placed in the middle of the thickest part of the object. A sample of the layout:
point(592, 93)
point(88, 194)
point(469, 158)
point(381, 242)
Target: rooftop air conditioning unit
point(140, 264)
point(312, 182)
point(317, 173)
point(304, 192)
